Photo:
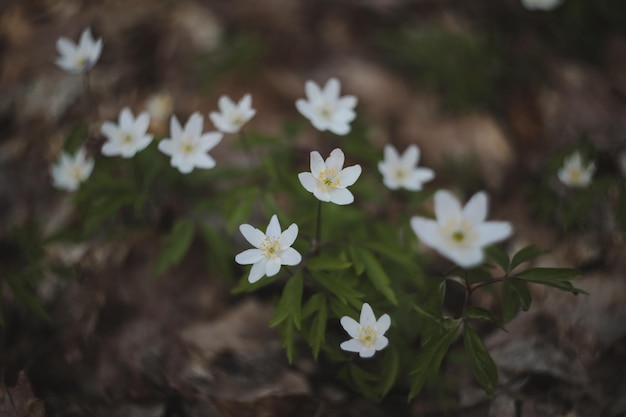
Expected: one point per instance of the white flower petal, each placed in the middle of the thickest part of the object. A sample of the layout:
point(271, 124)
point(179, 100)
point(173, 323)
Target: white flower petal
point(322, 195)
point(339, 128)
point(142, 123)
point(166, 146)
point(492, 232)
point(308, 182)
point(194, 125)
point(257, 271)
point(331, 89)
point(381, 342)
point(383, 323)
point(475, 210)
point(176, 130)
point(305, 109)
point(335, 160)
point(367, 352)
point(288, 237)
point(126, 120)
point(249, 256)
point(349, 175)
point(290, 257)
point(463, 257)
point(204, 161)
point(272, 267)
point(411, 156)
point(367, 316)
point(253, 235)
point(210, 140)
point(352, 345)
point(447, 207)
point(66, 47)
point(317, 164)
point(427, 231)
point(391, 155)
point(340, 196)
point(273, 228)
point(226, 105)
point(351, 326)
point(313, 92)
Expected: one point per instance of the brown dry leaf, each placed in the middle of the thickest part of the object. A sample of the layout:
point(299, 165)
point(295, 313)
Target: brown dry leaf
point(19, 401)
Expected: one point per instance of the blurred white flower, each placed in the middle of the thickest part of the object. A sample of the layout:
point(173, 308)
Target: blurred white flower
point(328, 179)
point(128, 137)
point(272, 249)
point(368, 335)
point(325, 109)
point(402, 171)
point(188, 147)
point(574, 174)
point(159, 106)
point(458, 233)
point(79, 58)
point(232, 117)
point(541, 4)
point(70, 171)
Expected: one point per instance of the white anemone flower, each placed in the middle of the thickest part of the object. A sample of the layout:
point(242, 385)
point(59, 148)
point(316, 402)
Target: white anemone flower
point(541, 4)
point(79, 58)
point(325, 109)
point(574, 173)
point(127, 137)
point(328, 179)
point(70, 171)
point(402, 171)
point(272, 249)
point(232, 117)
point(160, 106)
point(458, 233)
point(368, 335)
point(188, 147)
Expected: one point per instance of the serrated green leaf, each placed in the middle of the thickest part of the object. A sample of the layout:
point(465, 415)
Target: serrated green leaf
point(245, 286)
point(339, 287)
point(290, 302)
point(429, 359)
point(357, 261)
point(378, 277)
point(549, 274)
point(393, 253)
point(219, 253)
point(98, 213)
point(526, 254)
point(239, 208)
point(478, 313)
point(482, 364)
point(500, 257)
point(364, 381)
point(313, 304)
point(287, 339)
point(327, 263)
point(390, 368)
point(318, 329)
point(510, 302)
point(174, 245)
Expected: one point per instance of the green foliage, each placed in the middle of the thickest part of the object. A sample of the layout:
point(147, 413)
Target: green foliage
point(483, 367)
point(174, 246)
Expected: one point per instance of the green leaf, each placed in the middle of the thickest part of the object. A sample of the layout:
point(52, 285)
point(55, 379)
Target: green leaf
point(478, 313)
point(318, 329)
point(430, 357)
point(500, 257)
point(327, 263)
point(526, 254)
point(378, 277)
point(219, 253)
point(393, 253)
point(287, 339)
point(313, 304)
point(364, 381)
point(357, 261)
point(238, 209)
point(245, 286)
point(515, 293)
point(290, 302)
point(391, 366)
point(482, 364)
point(97, 213)
point(340, 287)
point(175, 245)
point(549, 274)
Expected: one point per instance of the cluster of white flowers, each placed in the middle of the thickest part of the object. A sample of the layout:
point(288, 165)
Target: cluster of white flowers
point(458, 233)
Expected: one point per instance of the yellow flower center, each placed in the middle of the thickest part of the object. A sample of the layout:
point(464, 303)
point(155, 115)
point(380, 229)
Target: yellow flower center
point(76, 172)
point(400, 174)
point(326, 111)
point(188, 147)
point(127, 139)
point(81, 62)
point(237, 120)
point(575, 175)
point(329, 178)
point(458, 236)
point(459, 233)
point(271, 247)
point(367, 336)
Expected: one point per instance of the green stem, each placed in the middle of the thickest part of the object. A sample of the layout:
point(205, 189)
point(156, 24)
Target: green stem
point(246, 146)
point(318, 228)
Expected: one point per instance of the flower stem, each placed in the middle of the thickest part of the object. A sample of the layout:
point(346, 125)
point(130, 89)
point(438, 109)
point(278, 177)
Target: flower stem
point(247, 148)
point(318, 228)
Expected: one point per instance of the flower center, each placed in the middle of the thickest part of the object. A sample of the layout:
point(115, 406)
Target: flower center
point(188, 146)
point(271, 247)
point(400, 174)
point(575, 175)
point(326, 111)
point(329, 178)
point(237, 120)
point(76, 172)
point(367, 336)
point(460, 233)
point(82, 62)
point(127, 139)
point(458, 236)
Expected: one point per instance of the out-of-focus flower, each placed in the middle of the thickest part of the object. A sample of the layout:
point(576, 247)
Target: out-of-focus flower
point(402, 171)
point(128, 137)
point(232, 117)
point(325, 109)
point(328, 179)
point(79, 58)
point(159, 106)
point(70, 171)
point(272, 249)
point(460, 234)
point(368, 335)
point(541, 4)
point(188, 147)
point(574, 174)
